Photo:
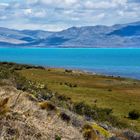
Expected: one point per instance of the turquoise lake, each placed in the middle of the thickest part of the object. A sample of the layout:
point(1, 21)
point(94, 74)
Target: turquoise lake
point(117, 62)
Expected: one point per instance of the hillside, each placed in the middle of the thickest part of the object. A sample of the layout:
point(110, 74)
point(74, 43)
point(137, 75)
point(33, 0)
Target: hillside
point(31, 109)
point(126, 35)
point(25, 119)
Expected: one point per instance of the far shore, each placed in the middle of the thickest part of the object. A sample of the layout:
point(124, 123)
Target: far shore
point(74, 70)
point(80, 71)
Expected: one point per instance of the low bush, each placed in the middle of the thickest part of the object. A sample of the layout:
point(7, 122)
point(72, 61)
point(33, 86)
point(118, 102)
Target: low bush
point(48, 106)
point(63, 98)
point(65, 117)
point(99, 114)
point(83, 109)
point(89, 133)
point(70, 85)
point(45, 95)
point(15, 66)
point(4, 73)
point(134, 114)
point(109, 90)
point(57, 137)
point(68, 71)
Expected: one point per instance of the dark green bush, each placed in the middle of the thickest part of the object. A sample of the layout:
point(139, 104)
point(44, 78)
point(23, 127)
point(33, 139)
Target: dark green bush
point(83, 109)
point(70, 85)
point(4, 73)
point(134, 114)
point(68, 71)
point(63, 98)
point(45, 95)
point(65, 117)
point(99, 114)
point(14, 66)
point(57, 137)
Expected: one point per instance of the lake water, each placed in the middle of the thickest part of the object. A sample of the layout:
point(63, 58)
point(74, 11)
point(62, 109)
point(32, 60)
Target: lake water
point(117, 62)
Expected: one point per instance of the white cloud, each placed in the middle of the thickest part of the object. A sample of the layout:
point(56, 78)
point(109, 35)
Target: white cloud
point(121, 2)
point(99, 5)
point(47, 27)
point(59, 14)
point(40, 14)
point(120, 13)
point(60, 3)
point(34, 13)
point(3, 6)
point(28, 11)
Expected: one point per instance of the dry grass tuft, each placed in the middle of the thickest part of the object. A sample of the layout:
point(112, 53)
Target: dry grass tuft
point(4, 106)
point(89, 133)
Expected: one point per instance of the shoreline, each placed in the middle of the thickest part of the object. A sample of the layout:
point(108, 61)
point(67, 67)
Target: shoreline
point(75, 70)
point(39, 47)
point(92, 73)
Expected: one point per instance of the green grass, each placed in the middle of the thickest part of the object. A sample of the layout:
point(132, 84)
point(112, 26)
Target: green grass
point(121, 95)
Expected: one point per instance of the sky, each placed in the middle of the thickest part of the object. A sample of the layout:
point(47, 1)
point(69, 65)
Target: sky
point(56, 15)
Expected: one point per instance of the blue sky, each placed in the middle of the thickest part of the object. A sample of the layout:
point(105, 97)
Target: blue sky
point(55, 15)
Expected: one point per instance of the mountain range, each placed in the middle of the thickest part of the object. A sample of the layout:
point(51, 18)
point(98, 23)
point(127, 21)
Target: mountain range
point(100, 36)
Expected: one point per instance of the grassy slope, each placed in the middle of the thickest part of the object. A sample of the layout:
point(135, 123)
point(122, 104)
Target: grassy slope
point(122, 95)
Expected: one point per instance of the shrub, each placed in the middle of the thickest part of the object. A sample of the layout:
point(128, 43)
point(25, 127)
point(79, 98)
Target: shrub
point(48, 106)
point(57, 137)
point(99, 114)
point(4, 73)
point(45, 95)
point(70, 85)
point(14, 66)
point(68, 71)
point(79, 108)
point(12, 131)
point(83, 109)
point(134, 114)
point(61, 83)
point(63, 98)
point(65, 117)
point(109, 90)
point(89, 133)
point(77, 121)
point(75, 85)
